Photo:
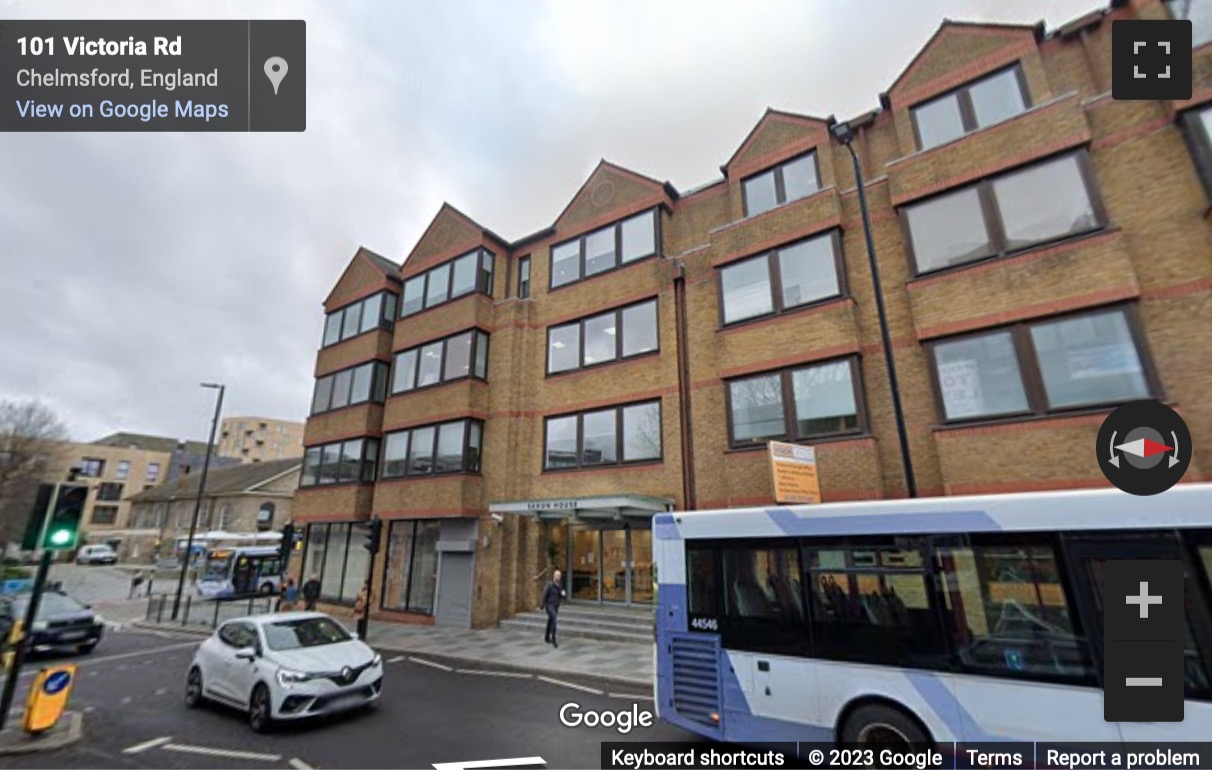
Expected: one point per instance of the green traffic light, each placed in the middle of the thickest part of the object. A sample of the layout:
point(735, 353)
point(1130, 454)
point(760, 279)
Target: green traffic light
point(61, 537)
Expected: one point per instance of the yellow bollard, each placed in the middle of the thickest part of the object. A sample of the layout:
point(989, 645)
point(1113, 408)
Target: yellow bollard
point(48, 697)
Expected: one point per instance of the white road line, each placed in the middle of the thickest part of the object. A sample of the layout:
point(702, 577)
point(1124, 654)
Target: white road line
point(625, 696)
point(510, 674)
point(161, 691)
point(230, 754)
point(396, 659)
point(124, 701)
point(153, 743)
point(299, 764)
point(431, 664)
point(580, 687)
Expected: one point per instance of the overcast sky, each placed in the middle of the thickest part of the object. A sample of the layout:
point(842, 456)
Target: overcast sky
point(135, 266)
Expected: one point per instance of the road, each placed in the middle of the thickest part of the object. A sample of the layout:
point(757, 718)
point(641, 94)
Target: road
point(130, 691)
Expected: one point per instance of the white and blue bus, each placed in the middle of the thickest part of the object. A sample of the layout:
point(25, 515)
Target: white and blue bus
point(240, 571)
point(917, 621)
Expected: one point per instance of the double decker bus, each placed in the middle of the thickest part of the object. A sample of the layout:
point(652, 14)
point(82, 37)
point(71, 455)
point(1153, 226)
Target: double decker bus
point(917, 621)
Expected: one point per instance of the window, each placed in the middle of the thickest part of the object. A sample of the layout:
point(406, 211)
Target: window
point(366, 382)
point(123, 469)
point(705, 594)
point(153, 472)
point(92, 467)
point(340, 462)
point(788, 277)
point(265, 517)
point(611, 436)
point(795, 179)
point(763, 599)
point(378, 311)
point(451, 447)
point(599, 339)
point(472, 272)
point(1200, 14)
point(105, 514)
point(109, 491)
point(1042, 366)
point(606, 249)
point(796, 404)
point(338, 560)
point(1044, 202)
point(979, 104)
point(524, 278)
point(410, 577)
point(446, 360)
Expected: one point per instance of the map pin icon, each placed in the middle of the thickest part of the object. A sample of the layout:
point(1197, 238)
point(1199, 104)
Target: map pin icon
point(275, 70)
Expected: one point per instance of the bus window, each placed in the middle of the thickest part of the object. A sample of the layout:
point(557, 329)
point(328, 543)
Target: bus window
point(1006, 609)
point(705, 599)
point(763, 597)
point(218, 563)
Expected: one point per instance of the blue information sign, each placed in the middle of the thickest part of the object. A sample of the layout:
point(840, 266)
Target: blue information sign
point(56, 682)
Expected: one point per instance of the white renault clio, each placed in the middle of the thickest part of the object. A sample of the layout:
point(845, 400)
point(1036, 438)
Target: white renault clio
point(287, 665)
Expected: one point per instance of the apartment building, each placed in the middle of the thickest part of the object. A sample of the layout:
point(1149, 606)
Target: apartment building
point(509, 407)
point(260, 439)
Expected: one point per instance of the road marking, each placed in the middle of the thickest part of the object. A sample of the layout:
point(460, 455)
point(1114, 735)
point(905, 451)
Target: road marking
point(431, 664)
point(153, 743)
point(396, 659)
point(625, 696)
point(124, 701)
point(512, 674)
point(299, 764)
point(580, 687)
point(230, 754)
point(519, 762)
point(123, 656)
point(161, 691)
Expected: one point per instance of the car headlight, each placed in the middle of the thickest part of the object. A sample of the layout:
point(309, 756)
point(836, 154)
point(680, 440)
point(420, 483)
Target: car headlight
point(286, 677)
point(39, 625)
point(378, 661)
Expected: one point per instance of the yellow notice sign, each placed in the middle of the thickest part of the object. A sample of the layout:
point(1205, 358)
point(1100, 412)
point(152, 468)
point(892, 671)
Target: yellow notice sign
point(794, 470)
point(48, 697)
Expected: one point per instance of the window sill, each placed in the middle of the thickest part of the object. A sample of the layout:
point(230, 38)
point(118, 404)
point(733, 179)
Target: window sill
point(1059, 414)
point(359, 335)
point(345, 408)
point(447, 303)
point(436, 385)
point(605, 468)
point(748, 218)
point(612, 271)
point(604, 365)
point(1067, 240)
point(818, 305)
point(833, 438)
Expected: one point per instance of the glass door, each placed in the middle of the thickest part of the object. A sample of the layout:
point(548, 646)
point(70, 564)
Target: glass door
point(641, 565)
point(585, 571)
point(614, 565)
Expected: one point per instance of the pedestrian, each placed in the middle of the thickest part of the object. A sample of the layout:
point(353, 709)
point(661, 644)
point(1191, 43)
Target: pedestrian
point(311, 592)
point(552, 597)
point(360, 604)
point(289, 595)
point(136, 581)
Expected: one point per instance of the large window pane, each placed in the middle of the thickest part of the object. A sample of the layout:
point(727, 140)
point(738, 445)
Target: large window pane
point(760, 194)
point(379, 390)
point(565, 263)
point(642, 432)
point(564, 348)
point(414, 295)
point(997, 98)
point(438, 288)
point(524, 278)
point(824, 399)
point(746, 289)
point(599, 251)
point(458, 356)
point(764, 605)
point(372, 310)
point(475, 443)
point(464, 279)
point(601, 439)
point(757, 408)
point(450, 447)
point(561, 450)
point(640, 329)
point(481, 369)
point(357, 561)
point(939, 121)
point(431, 365)
point(340, 388)
point(330, 463)
point(353, 320)
point(485, 279)
point(389, 307)
point(351, 458)
point(424, 572)
point(799, 177)
point(332, 328)
point(405, 376)
point(948, 230)
point(1044, 202)
point(639, 236)
point(601, 337)
point(399, 559)
point(370, 460)
point(1200, 14)
point(314, 551)
point(334, 561)
point(980, 376)
point(420, 453)
point(1089, 360)
point(311, 467)
point(323, 395)
point(808, 271)
point(363, 378)
point(395, 455)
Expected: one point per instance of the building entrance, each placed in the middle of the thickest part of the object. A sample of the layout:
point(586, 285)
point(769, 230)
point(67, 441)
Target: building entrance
point(605, 564)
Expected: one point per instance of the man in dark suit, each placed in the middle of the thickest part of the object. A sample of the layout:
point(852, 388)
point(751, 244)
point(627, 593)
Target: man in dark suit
point(552, 597)
point(311, 592)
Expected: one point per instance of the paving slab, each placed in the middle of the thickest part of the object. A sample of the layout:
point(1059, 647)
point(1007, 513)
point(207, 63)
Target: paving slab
point(68, 730)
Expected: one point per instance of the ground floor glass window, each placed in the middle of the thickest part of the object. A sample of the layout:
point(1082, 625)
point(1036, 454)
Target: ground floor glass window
point(411, 574)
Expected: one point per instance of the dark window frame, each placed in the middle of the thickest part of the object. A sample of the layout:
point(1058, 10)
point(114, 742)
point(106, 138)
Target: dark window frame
point(619, 438)
point(994, 227)
point(92, 467)
point(109, 491)
point(482, 286)
point(1029, 370)
point(619, 264)
point(776, 279)
point(378, 366)
point(618, 345)
point(350, 530)
point(386, 322)
point(787, 389)
point(110, 517)
point(415, 524)
point(465, 468)
point(524, 266)
point(963, 95)
point(780, 186)
point(477, 334)
point(368, 458)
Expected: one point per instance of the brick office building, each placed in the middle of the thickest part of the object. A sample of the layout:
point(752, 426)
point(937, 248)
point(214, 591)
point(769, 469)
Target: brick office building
point(509, 406)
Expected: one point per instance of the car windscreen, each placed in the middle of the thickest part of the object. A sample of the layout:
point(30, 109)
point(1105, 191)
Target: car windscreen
point(51, 605)
point(305, 632)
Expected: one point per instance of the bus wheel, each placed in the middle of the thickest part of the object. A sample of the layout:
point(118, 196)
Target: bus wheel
point(878, 725)
point(267, 589)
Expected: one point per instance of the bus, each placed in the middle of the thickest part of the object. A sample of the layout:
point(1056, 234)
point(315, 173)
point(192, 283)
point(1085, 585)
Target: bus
point(240, 571)
point(917, 621)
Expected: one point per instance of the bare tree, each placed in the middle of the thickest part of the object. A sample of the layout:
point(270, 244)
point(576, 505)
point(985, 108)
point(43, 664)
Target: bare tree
point(29, 435)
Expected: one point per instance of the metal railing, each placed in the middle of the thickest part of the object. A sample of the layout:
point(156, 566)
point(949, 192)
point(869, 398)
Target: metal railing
point(207, 613)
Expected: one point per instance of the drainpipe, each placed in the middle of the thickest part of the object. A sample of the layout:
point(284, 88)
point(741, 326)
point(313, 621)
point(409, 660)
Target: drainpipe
point(679, 298)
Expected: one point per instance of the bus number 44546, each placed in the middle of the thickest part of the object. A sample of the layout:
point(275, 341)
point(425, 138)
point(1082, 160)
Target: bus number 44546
point(705, 624)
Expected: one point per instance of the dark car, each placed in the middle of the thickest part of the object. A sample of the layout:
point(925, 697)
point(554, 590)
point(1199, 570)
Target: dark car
point(62, 624)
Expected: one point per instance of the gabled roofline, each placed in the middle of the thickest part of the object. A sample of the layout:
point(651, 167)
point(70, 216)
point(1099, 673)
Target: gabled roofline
point(1037, 29)
point(666, 187)
point(753, 131)
point(293, 469)
point(446, 206)
point(368, 257)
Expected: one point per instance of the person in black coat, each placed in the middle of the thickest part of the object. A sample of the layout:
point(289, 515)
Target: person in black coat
point(552, 596)
point(311, 593)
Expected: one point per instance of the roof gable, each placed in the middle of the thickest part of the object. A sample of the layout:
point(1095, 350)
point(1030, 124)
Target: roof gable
point(777, 135)
point(611, 192)
point(451, 232)
point(366, 272)
point(956, 49)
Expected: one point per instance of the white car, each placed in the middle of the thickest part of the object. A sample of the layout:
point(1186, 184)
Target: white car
point(97, 554)
point(288, 665)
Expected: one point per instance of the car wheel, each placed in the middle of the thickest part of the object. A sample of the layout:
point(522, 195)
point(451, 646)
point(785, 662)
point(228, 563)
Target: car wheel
point(193, 688)
point(259, 717)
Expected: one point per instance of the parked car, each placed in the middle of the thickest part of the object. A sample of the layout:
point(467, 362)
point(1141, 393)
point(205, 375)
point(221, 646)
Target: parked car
point(284, 666)
point(96, 554)
point(62, 623)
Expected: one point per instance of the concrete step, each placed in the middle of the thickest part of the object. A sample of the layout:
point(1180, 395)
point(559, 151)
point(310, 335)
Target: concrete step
point(607, 612)
point(536, 625)
point(589, 623)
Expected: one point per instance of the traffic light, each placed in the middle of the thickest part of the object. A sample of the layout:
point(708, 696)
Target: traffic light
point(63, 527)
point(37, 517)
point(287, 545)
point(374, 535)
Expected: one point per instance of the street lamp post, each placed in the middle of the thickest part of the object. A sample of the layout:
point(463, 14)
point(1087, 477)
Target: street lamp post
point(193, 522)
point(844, 133)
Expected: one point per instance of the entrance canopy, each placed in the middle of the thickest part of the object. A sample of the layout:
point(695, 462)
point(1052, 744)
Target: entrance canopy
point(605, 508)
